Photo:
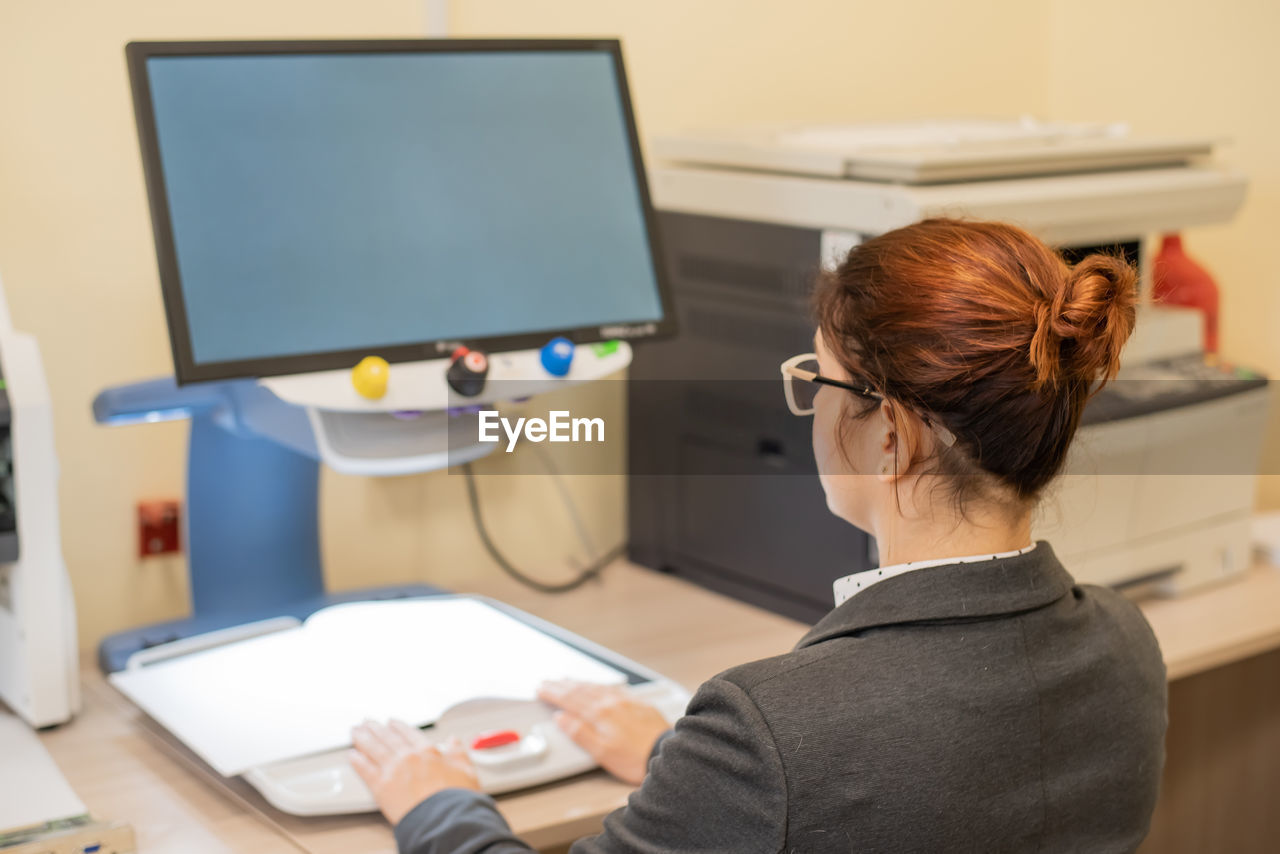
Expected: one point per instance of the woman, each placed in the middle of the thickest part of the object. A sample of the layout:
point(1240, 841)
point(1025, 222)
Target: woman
point(967, 695)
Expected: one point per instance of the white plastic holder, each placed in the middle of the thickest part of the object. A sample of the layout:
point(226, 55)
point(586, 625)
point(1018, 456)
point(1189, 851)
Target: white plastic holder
point(326, 784)
point(422, 387)
point(420, 424)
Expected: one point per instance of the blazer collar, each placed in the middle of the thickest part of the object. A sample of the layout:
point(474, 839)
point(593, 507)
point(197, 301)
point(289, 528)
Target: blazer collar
point(951, 592)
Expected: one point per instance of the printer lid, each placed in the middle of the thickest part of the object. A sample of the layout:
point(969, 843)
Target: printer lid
point(930, 151)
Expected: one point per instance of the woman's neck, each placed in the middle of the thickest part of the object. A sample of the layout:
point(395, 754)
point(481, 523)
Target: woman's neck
point(902, 540)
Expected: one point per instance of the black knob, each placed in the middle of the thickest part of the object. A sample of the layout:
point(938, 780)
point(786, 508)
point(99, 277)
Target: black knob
point(467, 371)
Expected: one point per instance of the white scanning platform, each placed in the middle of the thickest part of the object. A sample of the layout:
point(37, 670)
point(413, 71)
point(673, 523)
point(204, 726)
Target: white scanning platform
point(299, 691)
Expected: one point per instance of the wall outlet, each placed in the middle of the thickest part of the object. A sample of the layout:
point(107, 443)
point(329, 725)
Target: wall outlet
point(159, 528)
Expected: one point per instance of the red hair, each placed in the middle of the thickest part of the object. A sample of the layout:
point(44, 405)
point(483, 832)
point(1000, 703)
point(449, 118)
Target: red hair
point(983, 327)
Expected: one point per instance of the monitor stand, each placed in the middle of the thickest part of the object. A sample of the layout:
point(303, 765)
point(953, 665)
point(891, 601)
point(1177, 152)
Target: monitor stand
point(253, 538)
point(253, 476)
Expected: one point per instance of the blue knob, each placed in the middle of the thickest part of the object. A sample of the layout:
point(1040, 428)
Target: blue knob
point(557, 355)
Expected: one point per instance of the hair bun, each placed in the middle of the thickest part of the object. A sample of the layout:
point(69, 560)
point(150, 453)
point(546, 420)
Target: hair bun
point(1082, 327)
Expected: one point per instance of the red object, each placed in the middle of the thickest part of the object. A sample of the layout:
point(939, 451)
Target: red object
point(475, 361)
point(158, 528)
point(497, 738)
point(1179, 280)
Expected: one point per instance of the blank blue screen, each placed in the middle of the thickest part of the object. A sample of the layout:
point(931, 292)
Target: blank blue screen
point(354, 201)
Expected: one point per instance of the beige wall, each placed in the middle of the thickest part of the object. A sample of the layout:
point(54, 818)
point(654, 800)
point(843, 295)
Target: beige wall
point(79, 269)
point(78, 263)
point(708, 62)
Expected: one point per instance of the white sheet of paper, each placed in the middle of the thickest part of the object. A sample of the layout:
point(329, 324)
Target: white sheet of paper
point(300, 691)
point(32, 789)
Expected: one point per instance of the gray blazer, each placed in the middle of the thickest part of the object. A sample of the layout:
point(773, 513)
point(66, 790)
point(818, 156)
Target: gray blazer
point(985, 707)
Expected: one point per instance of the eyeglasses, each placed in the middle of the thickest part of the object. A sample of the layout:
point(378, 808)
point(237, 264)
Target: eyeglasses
point(801, 381)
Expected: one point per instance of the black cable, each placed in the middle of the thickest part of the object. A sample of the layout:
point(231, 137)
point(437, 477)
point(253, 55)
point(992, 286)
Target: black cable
point(586, 575)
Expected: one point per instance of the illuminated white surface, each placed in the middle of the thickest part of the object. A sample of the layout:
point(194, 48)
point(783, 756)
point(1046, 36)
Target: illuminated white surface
point(300, 691)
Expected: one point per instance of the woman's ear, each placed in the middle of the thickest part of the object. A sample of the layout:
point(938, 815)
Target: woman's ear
point(890, 466)
point(899, 445)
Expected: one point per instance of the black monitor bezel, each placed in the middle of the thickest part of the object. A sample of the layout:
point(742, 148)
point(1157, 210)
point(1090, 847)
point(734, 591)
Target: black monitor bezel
point(188, 370)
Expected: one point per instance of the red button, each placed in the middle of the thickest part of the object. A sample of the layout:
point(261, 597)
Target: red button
point(497, 738)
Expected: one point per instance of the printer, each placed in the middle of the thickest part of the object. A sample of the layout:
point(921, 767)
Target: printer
point(721, 486)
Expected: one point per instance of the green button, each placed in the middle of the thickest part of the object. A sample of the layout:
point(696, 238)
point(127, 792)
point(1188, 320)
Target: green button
point(605, 348)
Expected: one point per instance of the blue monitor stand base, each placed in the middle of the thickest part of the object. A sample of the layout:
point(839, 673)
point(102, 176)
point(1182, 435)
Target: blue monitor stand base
point(252, 516)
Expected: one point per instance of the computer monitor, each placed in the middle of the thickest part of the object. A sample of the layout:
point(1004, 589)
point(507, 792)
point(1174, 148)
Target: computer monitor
point(317, 202)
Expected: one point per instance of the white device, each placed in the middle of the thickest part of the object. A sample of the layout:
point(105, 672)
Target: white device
point(1157, 497)
point(39, 659)
point(275, 703)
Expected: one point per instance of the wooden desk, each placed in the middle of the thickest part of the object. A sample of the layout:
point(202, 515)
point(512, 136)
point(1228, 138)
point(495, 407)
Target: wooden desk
point(123, 769)
point(1222, 770)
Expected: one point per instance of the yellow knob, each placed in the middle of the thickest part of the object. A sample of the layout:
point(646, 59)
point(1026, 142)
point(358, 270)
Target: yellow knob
point(370, 377)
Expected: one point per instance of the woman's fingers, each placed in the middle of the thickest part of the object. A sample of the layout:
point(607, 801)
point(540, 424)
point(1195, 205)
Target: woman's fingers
point(378, 745)
point(382, 742)
point(582, 732)
point(400, 776)
point(618, 731)
point(411, 736)
point(579, 698)
point(558, 692)
point(366, 769)
point(455, 754)
point(369, 739)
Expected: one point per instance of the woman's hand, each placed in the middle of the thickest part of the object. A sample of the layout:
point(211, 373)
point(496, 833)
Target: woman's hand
point(618, 731)
point(402, 768)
